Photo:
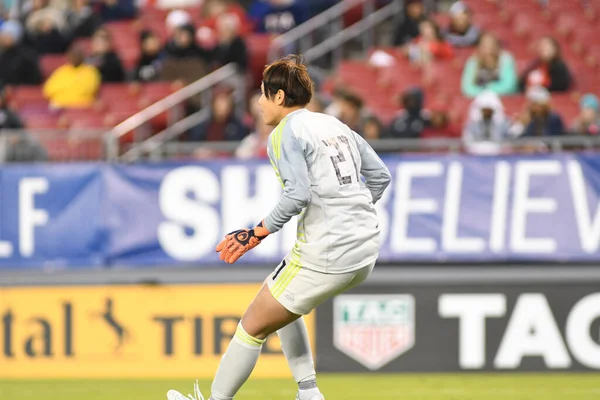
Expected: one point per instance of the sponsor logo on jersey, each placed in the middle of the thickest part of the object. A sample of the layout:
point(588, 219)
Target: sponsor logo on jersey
point(374, 329)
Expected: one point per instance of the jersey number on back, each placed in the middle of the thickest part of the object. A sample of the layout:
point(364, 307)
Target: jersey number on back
point(342, 159)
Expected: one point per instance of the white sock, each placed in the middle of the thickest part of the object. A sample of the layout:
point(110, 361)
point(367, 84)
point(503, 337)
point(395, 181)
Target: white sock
point(296, 348)
point(236, 365)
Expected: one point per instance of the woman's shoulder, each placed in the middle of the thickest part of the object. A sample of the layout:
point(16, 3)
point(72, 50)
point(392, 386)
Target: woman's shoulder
point(506, 55)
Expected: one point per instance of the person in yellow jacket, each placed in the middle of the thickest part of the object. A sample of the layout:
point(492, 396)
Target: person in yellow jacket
point(73, 85)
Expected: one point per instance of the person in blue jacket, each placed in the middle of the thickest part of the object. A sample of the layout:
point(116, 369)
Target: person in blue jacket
point(277, 16)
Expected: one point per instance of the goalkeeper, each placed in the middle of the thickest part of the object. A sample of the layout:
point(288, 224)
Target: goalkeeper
point(319, 162)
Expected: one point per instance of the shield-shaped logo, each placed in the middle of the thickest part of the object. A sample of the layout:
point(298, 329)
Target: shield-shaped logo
point(374, 329)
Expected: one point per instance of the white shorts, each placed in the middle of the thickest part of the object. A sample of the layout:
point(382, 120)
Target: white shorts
point(301, 290)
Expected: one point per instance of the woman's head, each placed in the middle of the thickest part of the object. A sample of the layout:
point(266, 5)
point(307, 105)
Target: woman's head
point(428, 30)
point(183, 37)
point(439, 118)
point(101, 41)
point(488, 48)
point(79, 5)
point(460, 17)
point(538, 98)
point(415, 9)
point(213, 8)
point(227, 27)
point(286, 85)
point(590, 108)
point(222, 106)
point(372, 128)
point(350, 108)
point(150, 43)
point(548, 49)
point(76, 55)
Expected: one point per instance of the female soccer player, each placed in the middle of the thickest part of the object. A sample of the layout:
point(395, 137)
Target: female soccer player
point(319, 162)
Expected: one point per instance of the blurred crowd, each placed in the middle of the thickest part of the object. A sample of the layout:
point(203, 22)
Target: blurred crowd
point(488, 75)
point(213, 36)
point(199, 36)
point(196, 37)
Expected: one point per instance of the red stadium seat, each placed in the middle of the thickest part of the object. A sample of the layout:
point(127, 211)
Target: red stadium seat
point(50, 62)
point(115, 91)
point(20, 95)
point(84, 119)
point(43, 121)
point(258, 52)
point(484, 6)
point(156, 90)
point(85, 43)
point(513, 105)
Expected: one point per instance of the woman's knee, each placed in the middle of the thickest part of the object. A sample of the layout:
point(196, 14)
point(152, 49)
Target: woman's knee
point(265, 315)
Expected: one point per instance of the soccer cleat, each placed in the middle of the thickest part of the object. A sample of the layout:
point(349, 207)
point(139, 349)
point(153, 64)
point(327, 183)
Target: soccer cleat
point(317, 397)
point(175, 395)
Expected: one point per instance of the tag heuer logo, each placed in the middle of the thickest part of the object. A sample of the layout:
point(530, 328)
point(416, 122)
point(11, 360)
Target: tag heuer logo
point(374, 329)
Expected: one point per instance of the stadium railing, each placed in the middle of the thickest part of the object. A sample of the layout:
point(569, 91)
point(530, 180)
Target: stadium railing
point(202, 87)
point(198, 150)
point(67, 145)
point(364, 28)
point(303, 36)
point(58, 145)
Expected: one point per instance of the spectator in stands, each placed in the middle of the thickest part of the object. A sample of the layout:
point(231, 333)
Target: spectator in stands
point(316, 104)
point(255, 144)
point(351, 111)
point(28, 8)
point(104, 57)
point(440, 124)
point(231, 48)
point(538, 119)
point(588, 121)
point(177, 19)
point(19, 146)
point(75, 84)
point(487, 121)
point(22, 148)
point(149, 64)
point(408, 28)
point(170, 4)
point(490, 68)
point(372, 128)
point(182, 45)
point(117, 10)
point(413, 119)
point(429, 45)
point(212, 10)
point(223, 124)
point(18, 64)
point(461, 32)
point(548, 70)
point(82, 21)
point(277, 16)
point(9, 119)
point(47, 30)
point(334, 106)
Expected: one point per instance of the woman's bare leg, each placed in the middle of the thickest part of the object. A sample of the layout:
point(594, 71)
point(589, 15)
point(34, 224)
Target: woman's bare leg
point(263, 317)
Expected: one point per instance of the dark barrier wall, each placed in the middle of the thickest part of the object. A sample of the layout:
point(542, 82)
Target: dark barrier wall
point(448, 327)
point(497, 318)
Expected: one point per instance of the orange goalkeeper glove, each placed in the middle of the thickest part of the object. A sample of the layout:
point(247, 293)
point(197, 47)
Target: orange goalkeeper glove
point(238, 243)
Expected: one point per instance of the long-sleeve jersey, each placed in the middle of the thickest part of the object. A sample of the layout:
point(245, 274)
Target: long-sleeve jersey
point(319, 162)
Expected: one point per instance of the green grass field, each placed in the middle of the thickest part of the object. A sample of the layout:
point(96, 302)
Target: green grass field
point(335, 387)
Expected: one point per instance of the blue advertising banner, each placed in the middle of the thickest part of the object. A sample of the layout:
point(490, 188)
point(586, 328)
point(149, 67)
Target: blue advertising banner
point(437, 208)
